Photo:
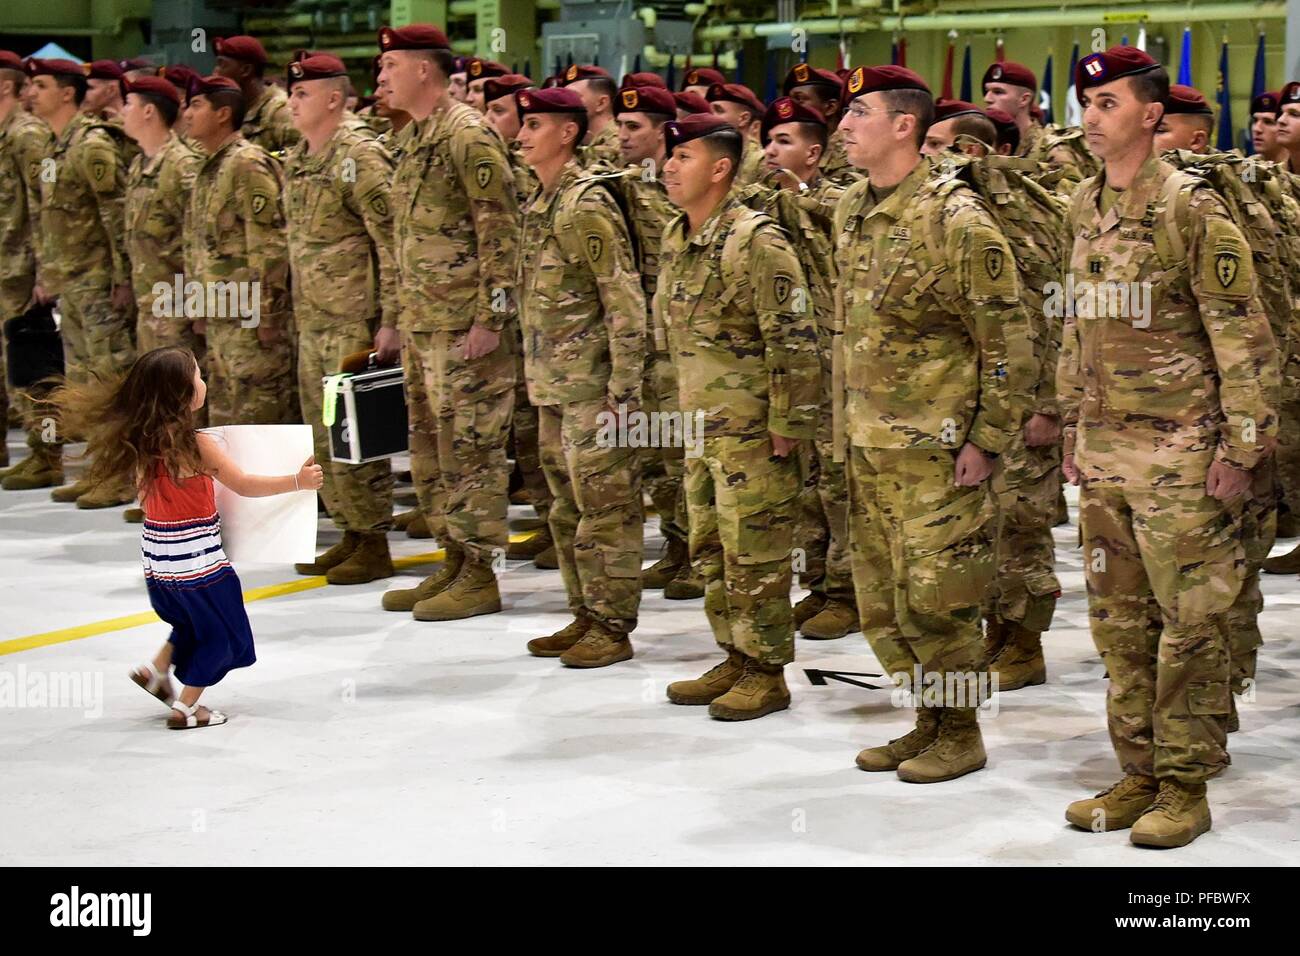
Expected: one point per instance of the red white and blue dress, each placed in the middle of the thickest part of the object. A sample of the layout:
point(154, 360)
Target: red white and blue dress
point(191, 583)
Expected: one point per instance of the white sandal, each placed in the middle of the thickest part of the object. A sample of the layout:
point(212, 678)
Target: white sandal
point(192, 720)
point(156, 684)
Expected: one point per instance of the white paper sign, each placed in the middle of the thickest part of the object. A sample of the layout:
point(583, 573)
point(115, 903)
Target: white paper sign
point(277, 529)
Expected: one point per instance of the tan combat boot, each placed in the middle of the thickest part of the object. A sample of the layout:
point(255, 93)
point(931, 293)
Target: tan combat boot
point(759, 691)
point(553, 645)
point(902, 748)
point(70, 493)
point(1287, 525)
point(658, 575)
point(332, 557)
point(710, 685)
point(957, 751)
point(685, 586)
point(995, 635)
point(37, 470)
point(808, 608)
point(1020, 661)
point(404, 518)
point(107, 495)
point(1115, 808)
point(599, 647)
point(838, 618)
point(1288, 563)
point(474, 592)
point(530, 547)
point(418, 527)
point(370, 561)
point(1178, 816)
point(405, 599)
point(548, 560)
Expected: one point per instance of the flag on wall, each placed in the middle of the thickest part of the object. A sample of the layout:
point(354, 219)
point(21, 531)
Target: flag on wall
point(1045, 93)
point(1257, 86)
point(1224, 97)
point(947, 71)
point(965, 75)
point(1185, 59)
point(1073, 114)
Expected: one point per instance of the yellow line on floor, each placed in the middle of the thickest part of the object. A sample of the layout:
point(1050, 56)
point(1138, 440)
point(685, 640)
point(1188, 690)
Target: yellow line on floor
point(14, 645)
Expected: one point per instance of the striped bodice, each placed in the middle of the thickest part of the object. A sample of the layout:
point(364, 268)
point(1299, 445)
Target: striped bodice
point(180, 541)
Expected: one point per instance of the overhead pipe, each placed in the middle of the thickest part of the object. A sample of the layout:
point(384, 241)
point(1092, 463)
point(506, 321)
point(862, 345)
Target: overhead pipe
point(653, 57)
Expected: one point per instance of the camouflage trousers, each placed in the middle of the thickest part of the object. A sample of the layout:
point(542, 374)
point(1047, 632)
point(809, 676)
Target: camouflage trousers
point(595, 515)
point(97, 339)
point(1258, 531)
point(743, 504)
point(1288, 437)
point(824, 521)
point(922, 552)
point(1026, 483)
point(460, 413)
point(154, 332)
point(663, 469)
point(524, 431)
point(359, 497)
point(249, 383)
point(1163, 566)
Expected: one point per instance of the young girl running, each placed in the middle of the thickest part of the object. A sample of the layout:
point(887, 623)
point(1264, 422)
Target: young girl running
point(143, 429)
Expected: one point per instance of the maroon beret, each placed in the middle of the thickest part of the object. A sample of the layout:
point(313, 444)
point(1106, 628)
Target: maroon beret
point(735, 93)
point(476, 68)
point(103, 70)
point(178, 75)
point(1289, 94)
point(786, 110)
point(1265, 102)
point(153, 85)
point(1187, 99)
point(950, 109)
point(458, 64)
point(202, 85)
point(10, 60)
point(135, 63)
point(244, 48)
point(315, 66)
point(1001, 119)
point(805, 75)
point(417, 36)
point(581, 71)
point(645, 99)
point(643, 79)
point(553, 81)
point(37, 67)
point(691, 102)
point(880, 79)
point(1116, 63)
point(692, 127)
point(702, 77)
point(1017, 74)
point(499, 86)
point(555, 100)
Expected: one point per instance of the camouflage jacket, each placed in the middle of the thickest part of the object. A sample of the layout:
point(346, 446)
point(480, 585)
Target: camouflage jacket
point(581, 311)
point(603, 148)
point(82, 214)
point(340, 227)
point(25, 142)
point(525, 178)
point(744, 355)
point(835, 164)
point(1152, 399)
point(936, 341)
point(268, 123)
point(234, 227)
point(157, 196)
point(751, 165)
point(456, 224)
point(1045, 146)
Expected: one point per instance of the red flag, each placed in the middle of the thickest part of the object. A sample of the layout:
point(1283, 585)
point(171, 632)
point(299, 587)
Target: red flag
point(902, 51)
point(1002, 51)
point(947, 72)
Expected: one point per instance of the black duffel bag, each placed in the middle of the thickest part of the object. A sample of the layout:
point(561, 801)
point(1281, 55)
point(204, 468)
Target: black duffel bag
point(33, 347)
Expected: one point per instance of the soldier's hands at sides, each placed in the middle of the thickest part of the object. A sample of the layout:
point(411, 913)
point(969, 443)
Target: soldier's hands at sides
point(1042, 430)
point(782, 446)
point(972, 466)
point(122, 299)
point(41, 297)
point(480, 342)
point(1225, 482)
point(388, 346)
point(268, 334)
point(1067, 468)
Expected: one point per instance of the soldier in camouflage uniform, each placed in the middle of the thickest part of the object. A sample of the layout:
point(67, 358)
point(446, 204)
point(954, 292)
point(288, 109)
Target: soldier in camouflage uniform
point(698, 80)
point(739, 106)
point(745, 347)
point(797, 195)
point(267, 122)
point(583, 318)
point(1013, 88)
point(235, 238)
point(83, 198)
point(456, 224)
point(104, 102)
point(340, 233)
point(477, 72)
point(596, 87)
point(936, 364)
point(822, 92)
point(640, 115)
point(24, 142)
point(1167, 408)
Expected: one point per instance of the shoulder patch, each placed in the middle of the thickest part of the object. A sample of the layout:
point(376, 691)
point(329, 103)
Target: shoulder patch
point(1226, 267)
point(992, 274)
point(483, 173)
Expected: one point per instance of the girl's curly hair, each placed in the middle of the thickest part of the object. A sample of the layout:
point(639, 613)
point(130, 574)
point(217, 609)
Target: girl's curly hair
point(133, 423)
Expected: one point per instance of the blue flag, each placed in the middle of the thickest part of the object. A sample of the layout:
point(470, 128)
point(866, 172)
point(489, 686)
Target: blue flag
point(769, 81)
point(1258, 85)
point(1185, 59)
point(1045, 93)
point(672, 72)
point(1224, 96)
point(1073, 115)
point(965, 75)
